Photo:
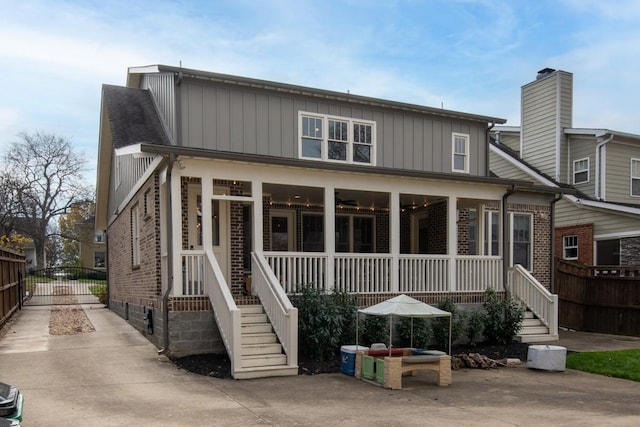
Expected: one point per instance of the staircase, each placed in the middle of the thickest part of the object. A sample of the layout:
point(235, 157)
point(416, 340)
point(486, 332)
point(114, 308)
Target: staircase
point(533, 330)
point(261, 353)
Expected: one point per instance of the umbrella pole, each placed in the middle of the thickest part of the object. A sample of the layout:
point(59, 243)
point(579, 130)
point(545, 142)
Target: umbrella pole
point(450, 318)
point(411, 341)
point(390, 334)
point(357, 321)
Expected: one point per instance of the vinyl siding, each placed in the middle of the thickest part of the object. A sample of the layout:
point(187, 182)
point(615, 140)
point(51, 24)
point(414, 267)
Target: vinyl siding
point(510, 140)
point(504, 169)
point(581, 148)
point(256, 121)
point(605, 221)
point(618, 172)
point(546, 110)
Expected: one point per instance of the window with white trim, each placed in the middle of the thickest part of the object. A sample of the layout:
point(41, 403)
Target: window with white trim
point(635, 177)
point(492, 233)
point(521, 240)
point(135, 236)
point(570, 247)
point(460, 150)
point(581, 171)
point(337, 139)
point(98, 236)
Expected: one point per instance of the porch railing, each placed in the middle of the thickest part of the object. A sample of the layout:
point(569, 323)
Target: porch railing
point(282, 314)
point(375, 273)
point(193, 273)
point(225, 311)
point(521, 284)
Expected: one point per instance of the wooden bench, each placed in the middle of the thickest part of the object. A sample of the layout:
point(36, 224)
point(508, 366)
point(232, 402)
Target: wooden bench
point(396, 367)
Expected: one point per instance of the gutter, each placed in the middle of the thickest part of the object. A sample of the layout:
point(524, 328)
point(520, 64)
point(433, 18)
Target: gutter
point(505, 249)
point(165, 297)
point(599, 173)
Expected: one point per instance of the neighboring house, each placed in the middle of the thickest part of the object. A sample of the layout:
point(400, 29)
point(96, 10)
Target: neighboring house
point(220, 195)
point(600, 223)
point(92, 245)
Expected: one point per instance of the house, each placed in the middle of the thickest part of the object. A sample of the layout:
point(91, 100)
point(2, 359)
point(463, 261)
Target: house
point(600, 223)
point(92, 245)
point(220, 195)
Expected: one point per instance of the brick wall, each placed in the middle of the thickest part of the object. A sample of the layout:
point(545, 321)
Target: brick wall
point(585, 242)
point(437, 231)
point(541, 268)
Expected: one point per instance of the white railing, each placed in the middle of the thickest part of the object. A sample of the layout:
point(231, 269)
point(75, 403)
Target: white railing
point(423, 273)
point(282, 314)
point(478, 273)
point(363, 273)
point(225, 311)
point(293, 269)
point(521, 284)
point(192, 273)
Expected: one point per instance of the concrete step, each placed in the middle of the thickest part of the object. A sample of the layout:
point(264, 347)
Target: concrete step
point(264, 372)
point(264, 360)
point(255, 349)
point(258, 338)
point(537, 338)
point(253, 318)
point(534, 330)
point(256, 328)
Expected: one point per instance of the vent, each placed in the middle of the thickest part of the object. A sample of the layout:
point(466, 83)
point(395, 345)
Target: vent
point(544, 72)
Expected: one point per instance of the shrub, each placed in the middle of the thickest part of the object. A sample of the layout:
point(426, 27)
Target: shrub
point(100, 291)
point(421, 332)
point(440, 325)
point(374, 329)
point(503, 318)
point(474, 327)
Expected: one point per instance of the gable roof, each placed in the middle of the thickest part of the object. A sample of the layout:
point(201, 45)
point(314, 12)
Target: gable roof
point(133, 117)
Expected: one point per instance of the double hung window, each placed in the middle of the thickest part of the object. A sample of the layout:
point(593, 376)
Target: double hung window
point(635, 177)
point(460, 158)
point(570, 247)
point(581, 171)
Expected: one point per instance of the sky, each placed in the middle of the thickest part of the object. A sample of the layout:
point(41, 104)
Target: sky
point(463, 55)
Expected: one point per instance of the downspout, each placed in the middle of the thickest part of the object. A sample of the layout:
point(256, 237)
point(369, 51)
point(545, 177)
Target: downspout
point(552, 260)
point(598, 171)
point(505, 246)
point(165, 297)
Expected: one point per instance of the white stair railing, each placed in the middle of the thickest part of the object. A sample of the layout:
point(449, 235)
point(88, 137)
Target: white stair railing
point(282, 314)
point(521, 284)
point(225, 311)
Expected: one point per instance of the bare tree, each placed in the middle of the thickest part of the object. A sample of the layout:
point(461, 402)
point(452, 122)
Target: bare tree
point(44, 175)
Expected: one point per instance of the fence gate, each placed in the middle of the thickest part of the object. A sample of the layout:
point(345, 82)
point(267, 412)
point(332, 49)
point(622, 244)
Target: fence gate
point(66, 286)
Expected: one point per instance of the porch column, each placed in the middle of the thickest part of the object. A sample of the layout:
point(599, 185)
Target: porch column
point(452, 241)
point(330, 235)
point(394, 239)
point(176, 237)
point(207, 191)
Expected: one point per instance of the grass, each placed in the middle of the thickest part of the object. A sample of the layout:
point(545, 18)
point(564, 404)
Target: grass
point(620, 364)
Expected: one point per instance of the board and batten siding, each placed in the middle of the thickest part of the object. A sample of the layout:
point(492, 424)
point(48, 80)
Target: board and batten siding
point(162, 87)
point(618, 171)
point(546, 110)
point(606, 222)
point(222, 117)
point(582, 148)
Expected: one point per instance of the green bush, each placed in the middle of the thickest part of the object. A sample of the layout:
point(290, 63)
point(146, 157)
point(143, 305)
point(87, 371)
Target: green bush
point(324, 321)
point(374, 329)
point(503, 318)
point(421, 332)
point(474, 327)
point(101, 292)
point(440, 325)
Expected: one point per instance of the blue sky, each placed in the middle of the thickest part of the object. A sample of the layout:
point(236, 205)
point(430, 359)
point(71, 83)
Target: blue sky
point(465, 55)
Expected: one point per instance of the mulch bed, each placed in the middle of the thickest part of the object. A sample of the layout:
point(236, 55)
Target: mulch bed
point(219, 366)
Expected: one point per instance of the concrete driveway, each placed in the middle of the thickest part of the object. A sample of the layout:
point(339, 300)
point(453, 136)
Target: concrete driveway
point(114, 377)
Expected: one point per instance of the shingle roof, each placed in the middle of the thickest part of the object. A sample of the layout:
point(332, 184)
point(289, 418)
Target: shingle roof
point(133, 117)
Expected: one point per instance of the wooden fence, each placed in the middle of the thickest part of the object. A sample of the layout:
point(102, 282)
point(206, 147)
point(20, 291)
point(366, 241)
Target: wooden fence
point(12, 273)
point(603, 299)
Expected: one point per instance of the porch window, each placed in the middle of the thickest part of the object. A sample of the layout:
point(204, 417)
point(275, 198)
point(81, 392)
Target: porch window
point(312, 233)
point(581, 171)
point(135, 236)
point(635, 177)
point(99, 260)
point(521, 240)
point(570, 247)
point(338, 139)
point(354, 233)
point(492, 233)
point(460, 158)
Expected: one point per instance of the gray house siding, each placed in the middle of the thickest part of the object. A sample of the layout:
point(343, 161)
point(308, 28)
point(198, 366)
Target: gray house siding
point(161, 85)
point(256, 121)
point(504, 169)
point(582, 148)
point(618, 172)
point(606, 222)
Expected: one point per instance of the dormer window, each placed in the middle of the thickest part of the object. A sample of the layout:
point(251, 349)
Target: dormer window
point(336, 139)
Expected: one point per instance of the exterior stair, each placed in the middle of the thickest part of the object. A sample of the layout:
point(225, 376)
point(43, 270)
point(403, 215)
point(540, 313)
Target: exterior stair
point(261, 353)
point(533, 330)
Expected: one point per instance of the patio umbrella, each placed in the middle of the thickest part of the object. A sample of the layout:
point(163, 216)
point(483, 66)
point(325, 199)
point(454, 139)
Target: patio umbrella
point(403, 306)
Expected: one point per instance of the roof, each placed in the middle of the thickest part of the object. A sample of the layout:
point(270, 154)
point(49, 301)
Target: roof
point(133, 117)
point(135, 74)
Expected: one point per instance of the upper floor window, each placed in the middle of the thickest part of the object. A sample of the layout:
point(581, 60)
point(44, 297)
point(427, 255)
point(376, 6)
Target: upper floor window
point(635, 177)
point(460, 158)
point(581, 171)
point(99, 237)
point(570, 247)
point(337, 139)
